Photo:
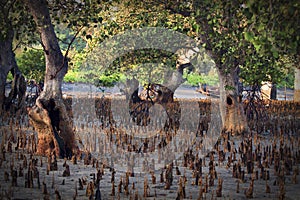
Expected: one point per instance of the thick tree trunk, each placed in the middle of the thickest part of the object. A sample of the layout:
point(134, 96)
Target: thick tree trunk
point(5, 64)
point(16, 97)
point(49, 116)
point(2, 88)
point(129, 87)
point(231, 108)
point(297, 85)
point(8, 63)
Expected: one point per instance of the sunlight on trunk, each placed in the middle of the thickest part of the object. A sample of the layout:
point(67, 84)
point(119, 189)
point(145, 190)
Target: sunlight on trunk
point(235, 120)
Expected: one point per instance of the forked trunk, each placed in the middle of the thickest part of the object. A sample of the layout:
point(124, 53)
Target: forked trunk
point(140, 103)
point(231, 108)
point(297, 85)
point(16, 97)
point(5, 48)
point(52, 123)
point(49, 116)
point(129, 87)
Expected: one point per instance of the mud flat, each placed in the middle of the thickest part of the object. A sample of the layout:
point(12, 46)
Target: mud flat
point(190, 166)
point(65, 186)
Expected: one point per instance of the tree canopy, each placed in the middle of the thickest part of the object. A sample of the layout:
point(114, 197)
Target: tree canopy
point(258, 37)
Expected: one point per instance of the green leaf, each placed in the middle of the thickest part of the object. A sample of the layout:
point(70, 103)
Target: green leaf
point(229, 88)
point(257, 45)
point(249, 36)
point(275, 53)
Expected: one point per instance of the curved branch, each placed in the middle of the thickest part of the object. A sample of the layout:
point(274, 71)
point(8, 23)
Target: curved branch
point(67, 52)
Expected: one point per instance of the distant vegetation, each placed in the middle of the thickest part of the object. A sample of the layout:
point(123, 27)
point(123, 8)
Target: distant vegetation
point(32, 64)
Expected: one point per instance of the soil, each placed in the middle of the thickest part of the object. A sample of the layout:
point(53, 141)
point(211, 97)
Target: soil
point(95, 138)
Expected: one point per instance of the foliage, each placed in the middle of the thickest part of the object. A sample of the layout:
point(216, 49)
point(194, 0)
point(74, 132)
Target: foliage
point(65, 36)
point(274, 27)
point(9, 77)
point(221, 24)
point(281, 72)
point(79, 16)
point(109, 80)
point(226, 37)
point(274, 40)
point(288, 81)
point(126, 15)
point(287, 76)
point(72, 77)
point(129, 15)
point(32, 64)
point(249, 35)
point(194, 79)
point(13, 17)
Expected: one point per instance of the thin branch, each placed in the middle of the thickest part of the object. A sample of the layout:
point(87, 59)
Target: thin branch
point(67, 52)
point(17, 46)
point(73, 39)
point(64, 42)
point(32, 47)
point(44, 48)
point(172, 10)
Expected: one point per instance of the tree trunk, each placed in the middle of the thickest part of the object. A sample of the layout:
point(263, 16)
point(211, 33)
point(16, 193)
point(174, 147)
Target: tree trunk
point(273, 94)
point(49, 116)
point(5, 64)
point(140, 102)
point(297, 85)
point(16, 98)
point(129, 87)
point(266, 89)
point(231, 108)
point(2, 88)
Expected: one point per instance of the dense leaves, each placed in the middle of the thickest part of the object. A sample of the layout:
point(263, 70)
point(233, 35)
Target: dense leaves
point(274, 26)
point(254, 36)
point(32, 65)
point(13, 17)
point(250, 35)
point(274, 40)
point(123, 17)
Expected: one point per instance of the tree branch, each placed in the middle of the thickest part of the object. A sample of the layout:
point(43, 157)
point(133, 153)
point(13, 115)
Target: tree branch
point(17, 45)
point(64, 42)
point(184, 13)
point(67, 52)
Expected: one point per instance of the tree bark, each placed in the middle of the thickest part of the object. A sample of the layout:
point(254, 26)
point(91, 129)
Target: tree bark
point(16, 97)
point(5, 63)
point(231, 107)
point(3, 76)
point(8, 63)
point(49, 116)
point(297, 85)
point(273, 94)
point(129, 87)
